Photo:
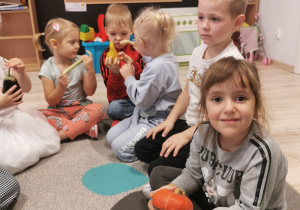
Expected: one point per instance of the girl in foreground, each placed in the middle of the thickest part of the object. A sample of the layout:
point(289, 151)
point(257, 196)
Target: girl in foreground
point(234, 162)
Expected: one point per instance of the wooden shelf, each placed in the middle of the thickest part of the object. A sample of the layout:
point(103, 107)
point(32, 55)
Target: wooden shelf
point(17, 30)
point(252, 9)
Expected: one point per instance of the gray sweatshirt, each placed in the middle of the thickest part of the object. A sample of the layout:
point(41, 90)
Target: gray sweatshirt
point(251, 177)
point(158, 88)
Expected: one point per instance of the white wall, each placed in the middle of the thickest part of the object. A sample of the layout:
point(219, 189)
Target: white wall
point(297, 60)
point(285, 16)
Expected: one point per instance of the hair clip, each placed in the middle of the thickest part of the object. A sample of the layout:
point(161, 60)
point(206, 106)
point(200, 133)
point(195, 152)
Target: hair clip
point(142, 19)
point(56, 27)
point(156, 17)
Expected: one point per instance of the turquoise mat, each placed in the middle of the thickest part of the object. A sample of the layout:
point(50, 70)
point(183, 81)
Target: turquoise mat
point(113, 178)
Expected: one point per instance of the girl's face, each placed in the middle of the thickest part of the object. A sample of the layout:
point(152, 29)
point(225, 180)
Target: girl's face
point(215, 24)
point(230, 110)
point(116, 33)
point(70, 44)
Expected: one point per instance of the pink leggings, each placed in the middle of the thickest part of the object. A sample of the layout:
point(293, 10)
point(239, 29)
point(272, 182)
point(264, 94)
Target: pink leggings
point(74, 120)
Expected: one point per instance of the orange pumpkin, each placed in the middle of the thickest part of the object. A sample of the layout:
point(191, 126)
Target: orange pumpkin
point(167, 200)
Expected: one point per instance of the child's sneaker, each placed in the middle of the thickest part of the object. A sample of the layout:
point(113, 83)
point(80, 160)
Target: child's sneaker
point(146, 190)
point(93, 132)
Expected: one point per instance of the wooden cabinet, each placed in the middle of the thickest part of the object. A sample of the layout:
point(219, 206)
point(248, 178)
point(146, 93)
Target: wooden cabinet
point(252, 9)
point(16, 34)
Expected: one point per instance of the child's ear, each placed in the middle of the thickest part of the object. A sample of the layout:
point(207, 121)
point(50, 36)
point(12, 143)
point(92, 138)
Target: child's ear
point(131, 30)
point(206, 115)
point(53, 43)
point(143, 43)
point(239, 22)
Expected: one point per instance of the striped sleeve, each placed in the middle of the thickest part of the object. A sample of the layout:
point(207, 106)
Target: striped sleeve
point(104, 70)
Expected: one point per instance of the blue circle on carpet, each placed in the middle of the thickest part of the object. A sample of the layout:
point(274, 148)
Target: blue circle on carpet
point(113, 178)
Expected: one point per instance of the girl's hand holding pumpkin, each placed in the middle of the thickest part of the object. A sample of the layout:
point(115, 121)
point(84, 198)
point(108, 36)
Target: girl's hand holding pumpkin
point(170, 187)
point(169, 197)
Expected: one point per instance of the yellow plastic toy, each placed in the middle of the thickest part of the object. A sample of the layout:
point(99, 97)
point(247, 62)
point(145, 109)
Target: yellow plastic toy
point(112, 51)
point(86, 33)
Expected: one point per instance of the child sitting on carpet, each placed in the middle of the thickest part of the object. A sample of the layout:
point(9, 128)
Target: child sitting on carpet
point(118, 27)
point(234, 162)
point(155, 94)
point(69, 110)
point(24, 138)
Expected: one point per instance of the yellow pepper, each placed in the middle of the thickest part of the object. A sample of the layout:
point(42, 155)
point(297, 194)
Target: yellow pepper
point(112, 51)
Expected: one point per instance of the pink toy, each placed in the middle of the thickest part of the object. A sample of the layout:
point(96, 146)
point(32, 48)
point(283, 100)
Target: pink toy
point(251, 42)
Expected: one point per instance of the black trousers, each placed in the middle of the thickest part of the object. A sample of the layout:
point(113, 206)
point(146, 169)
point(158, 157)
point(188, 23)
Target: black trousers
point(164, 175)
point(148, 150)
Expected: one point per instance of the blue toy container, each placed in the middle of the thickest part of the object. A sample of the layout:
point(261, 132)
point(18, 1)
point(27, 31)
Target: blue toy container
point(97, 48)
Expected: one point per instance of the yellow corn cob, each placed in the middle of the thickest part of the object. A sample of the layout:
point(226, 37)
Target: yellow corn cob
point(112, 51)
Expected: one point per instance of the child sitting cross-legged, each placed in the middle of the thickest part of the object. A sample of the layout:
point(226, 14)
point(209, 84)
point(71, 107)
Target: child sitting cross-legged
point(69, 110)
point(119, 27)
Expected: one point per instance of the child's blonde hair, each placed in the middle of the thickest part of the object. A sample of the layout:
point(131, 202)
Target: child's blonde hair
point(236, 7)
point(55, 29)
point(241, 73)
point(157, 29)
point(118, 14)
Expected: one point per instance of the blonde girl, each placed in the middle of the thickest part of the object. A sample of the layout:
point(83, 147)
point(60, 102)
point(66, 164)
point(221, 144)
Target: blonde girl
point(69, 110)
point(233, 162)
point(156, 92)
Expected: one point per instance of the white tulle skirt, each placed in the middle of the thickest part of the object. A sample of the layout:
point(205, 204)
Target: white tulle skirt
point(25, 138)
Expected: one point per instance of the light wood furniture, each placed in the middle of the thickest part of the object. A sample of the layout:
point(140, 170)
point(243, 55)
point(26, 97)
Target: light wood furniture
point(16, 34)
point(251, 10)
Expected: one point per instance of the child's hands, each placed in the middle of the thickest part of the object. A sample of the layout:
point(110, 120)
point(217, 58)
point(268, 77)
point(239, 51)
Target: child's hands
point(166, 126)
point(17, 64)
point(113, 65)
point(170, 187)
point(124, 57)
point(127, 70)
point(8, 99)
point(63, 80)
point(88, 61)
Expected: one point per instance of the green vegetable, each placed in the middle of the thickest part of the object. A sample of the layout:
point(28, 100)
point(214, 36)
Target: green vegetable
point(72, 66)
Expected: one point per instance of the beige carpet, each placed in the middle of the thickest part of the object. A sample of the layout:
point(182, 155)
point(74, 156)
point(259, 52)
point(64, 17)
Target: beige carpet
point(55, 181)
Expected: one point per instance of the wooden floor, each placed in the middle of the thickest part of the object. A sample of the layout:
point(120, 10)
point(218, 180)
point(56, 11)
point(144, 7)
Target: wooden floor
point(282, 98)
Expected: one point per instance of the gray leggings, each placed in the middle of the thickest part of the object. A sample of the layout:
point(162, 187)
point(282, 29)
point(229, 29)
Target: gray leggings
point(124, 135)
point(164, 175)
